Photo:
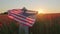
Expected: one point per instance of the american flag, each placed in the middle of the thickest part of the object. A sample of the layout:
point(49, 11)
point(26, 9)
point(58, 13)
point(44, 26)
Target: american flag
point(26, 18)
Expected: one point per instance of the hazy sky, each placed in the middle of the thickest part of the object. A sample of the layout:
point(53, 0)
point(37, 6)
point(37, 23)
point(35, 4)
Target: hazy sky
point(47, 5)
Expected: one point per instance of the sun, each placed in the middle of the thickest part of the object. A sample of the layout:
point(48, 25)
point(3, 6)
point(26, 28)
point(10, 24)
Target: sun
point(40, 11)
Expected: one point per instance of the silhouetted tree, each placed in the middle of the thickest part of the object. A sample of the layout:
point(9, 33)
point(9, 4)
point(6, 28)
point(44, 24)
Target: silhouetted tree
point(5, 13)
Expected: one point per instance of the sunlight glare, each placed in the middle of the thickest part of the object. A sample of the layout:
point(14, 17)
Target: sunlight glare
point(40, 11)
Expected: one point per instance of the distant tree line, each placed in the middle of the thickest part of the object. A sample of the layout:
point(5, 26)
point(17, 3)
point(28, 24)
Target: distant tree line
point(4, 13)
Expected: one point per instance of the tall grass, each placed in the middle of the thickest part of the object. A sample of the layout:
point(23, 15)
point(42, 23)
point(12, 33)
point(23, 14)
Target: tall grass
point(41, 26)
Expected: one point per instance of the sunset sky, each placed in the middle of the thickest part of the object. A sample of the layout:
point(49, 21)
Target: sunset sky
point(45, 6)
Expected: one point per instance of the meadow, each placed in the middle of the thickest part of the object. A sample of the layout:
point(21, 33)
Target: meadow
point(45, 24)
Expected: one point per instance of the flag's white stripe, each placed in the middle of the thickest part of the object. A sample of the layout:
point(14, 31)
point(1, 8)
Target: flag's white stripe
point(22, 19)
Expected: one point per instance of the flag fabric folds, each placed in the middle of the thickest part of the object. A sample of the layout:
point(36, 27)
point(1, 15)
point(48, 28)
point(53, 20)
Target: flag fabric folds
point(26, 18)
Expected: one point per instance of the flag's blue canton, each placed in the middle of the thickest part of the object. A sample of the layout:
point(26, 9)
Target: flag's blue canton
point(27, 14)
